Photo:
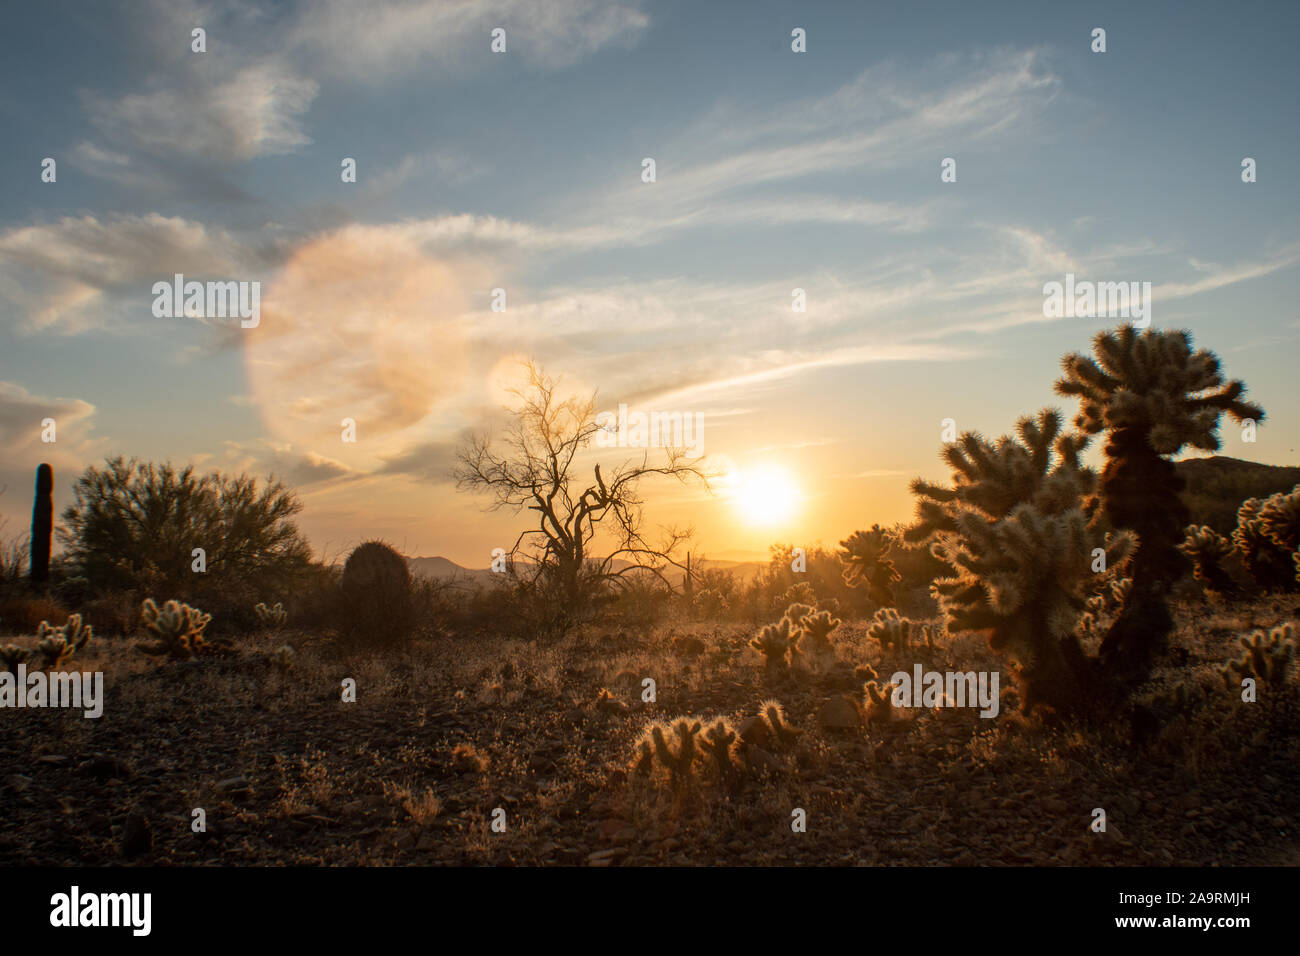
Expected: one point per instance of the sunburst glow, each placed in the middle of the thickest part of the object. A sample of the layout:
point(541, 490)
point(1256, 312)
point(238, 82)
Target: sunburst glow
point(766, 495)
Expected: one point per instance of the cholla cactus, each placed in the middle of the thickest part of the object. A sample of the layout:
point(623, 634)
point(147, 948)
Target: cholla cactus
point(864, 555)
point(774, 642)
point(1268, 539)
point(1014, 530)
point(814, 643)
point(880, 704)
point(1153, 396)
point(178, 629)
point(801, 593)
point(891, 629)
point(773, 714)
point(1207, 549)
point(273, 616)
point(1267, 657)
point(677, 757)
point(719, 744)
point(11, 655)
point(56, 644)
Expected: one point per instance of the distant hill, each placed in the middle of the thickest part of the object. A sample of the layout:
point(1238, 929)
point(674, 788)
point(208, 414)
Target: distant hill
point(1217, 486)
point(444, 569)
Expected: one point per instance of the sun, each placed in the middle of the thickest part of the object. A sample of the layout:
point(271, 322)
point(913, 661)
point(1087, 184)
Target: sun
point(766, 495)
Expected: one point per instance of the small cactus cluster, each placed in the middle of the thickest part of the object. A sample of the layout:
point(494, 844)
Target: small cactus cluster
point(273, 616)
point(895, 632)
point(1267, 658)
point(678, 746)
point(1268, 539)
point(864, 556)
point(177, 629)
point(677, 757)
point(1208, 549)
point(54, 646)
point(802, 634)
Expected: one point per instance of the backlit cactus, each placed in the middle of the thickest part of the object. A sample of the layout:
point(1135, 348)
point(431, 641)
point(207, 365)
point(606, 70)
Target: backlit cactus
point(1267, 537)
point(814, 647)
point(719, 745)
point(1208, 549)
point(891, 629)
point(271, 617)
point(675, 748)
point(1024, 553)
point(1267, 658)
point(177, 629)
point(773, 714)
point(55, 645)
point(1153, 396)
point(11, 655)
point(774, 642)
point(864, 555)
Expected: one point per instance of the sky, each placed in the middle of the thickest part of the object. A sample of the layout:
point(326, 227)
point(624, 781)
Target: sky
point(522, 170)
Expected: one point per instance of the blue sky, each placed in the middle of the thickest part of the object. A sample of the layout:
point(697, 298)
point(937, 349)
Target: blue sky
point(521, 170)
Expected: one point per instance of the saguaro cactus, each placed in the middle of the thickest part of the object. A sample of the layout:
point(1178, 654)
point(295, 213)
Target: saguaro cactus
point(42, 524)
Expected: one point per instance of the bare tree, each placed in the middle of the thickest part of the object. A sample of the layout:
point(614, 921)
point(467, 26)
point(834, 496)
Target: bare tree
point(532, 469)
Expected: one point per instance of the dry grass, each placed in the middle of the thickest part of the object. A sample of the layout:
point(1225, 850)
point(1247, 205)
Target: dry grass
point(447, 732)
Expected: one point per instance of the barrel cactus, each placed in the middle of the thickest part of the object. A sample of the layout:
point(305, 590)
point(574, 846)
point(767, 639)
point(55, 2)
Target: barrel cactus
point(378, 606)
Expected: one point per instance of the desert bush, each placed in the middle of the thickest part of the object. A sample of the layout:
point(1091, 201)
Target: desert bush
point(709, 604)
point(134, 526)
point(23, 613)
point(377, 608)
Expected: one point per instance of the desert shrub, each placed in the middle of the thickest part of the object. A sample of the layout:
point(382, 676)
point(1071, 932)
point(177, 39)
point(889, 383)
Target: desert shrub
point(377, 607)
point(23, 613)
point(709, 604)
point(134, 526)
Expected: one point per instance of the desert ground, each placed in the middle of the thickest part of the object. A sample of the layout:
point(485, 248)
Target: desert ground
point(451, 729)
